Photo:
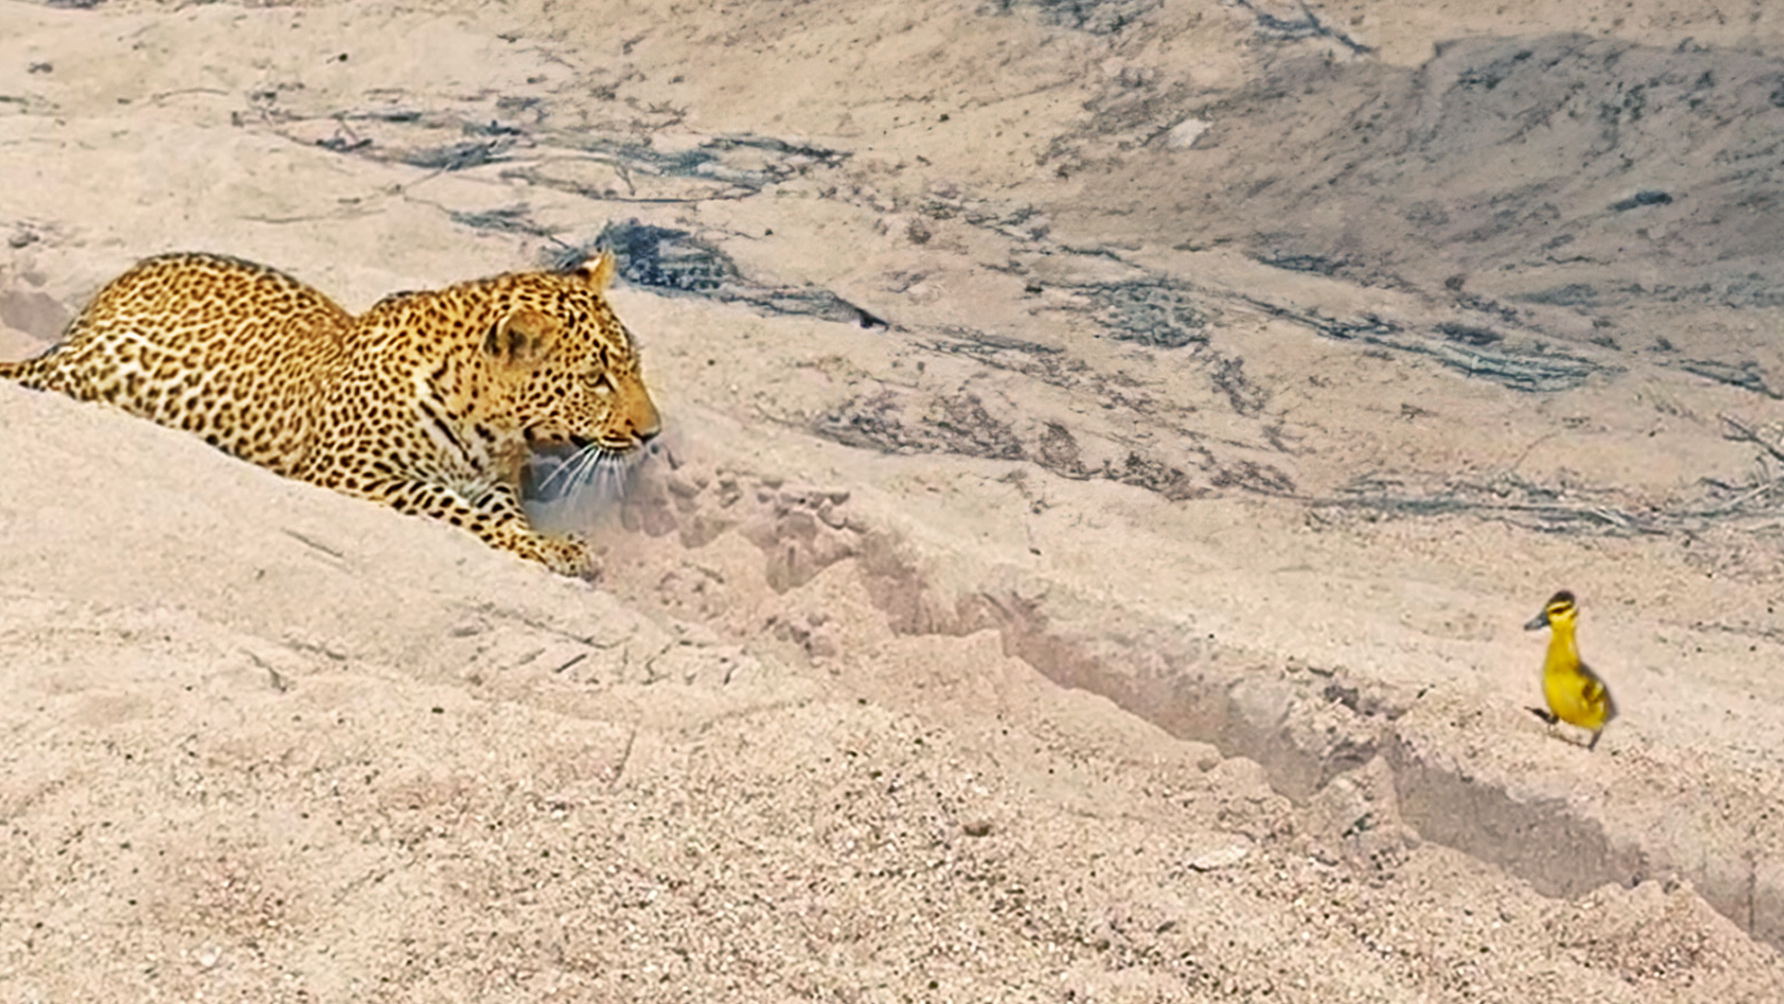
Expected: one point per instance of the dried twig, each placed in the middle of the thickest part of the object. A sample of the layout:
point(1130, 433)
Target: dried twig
point(1742, 432)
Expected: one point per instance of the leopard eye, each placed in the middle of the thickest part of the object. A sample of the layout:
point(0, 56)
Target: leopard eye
point(604, 385)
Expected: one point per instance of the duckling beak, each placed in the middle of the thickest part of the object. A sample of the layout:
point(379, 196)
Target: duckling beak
point(1541, 620)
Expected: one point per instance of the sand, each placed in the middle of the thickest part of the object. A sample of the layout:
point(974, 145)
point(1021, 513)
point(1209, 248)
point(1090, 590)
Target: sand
point(1111, 451)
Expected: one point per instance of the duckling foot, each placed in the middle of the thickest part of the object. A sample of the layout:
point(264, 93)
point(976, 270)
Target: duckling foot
point(1594, 742)
point(1543, 713)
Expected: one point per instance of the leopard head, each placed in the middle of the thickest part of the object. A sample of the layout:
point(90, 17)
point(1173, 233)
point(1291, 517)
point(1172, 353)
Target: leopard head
point(575, 366)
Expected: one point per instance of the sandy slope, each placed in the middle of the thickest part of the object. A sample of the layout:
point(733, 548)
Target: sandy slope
point(1086, 561)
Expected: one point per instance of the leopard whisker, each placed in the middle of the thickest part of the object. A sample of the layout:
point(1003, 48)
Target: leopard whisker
point(619, 468)
point(588, 465)
point(606, 473)
point(570, 471)
point(559, 472)
point(567, 479)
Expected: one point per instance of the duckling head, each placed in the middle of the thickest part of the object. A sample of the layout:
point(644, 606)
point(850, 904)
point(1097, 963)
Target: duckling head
point(1560, 609)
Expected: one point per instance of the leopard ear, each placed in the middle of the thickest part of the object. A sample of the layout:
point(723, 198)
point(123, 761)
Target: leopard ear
point(521, 339)
point(597, 270)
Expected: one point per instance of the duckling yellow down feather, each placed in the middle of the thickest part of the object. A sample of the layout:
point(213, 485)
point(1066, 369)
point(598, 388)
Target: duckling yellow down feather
point(1574, 693)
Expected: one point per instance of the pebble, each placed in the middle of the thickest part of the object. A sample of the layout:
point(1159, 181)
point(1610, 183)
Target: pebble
point(1219, 857)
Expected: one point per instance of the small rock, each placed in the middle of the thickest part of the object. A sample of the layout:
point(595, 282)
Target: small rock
point(1184, 134)
point(976, 827)
point(1219, 857)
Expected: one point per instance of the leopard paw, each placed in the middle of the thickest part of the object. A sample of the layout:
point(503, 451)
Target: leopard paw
point(569, 555)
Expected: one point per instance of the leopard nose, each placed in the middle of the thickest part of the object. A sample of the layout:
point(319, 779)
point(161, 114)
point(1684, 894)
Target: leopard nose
point(648, 424)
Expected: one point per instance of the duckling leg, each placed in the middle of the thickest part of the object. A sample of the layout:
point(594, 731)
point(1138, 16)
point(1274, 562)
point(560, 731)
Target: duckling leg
point(1549, 717)
point(1594, 741)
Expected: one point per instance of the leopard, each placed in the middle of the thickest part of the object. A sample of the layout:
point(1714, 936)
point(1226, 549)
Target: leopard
point(430, 402)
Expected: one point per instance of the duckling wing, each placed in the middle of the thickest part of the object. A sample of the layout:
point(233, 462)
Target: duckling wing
point(1595, 694)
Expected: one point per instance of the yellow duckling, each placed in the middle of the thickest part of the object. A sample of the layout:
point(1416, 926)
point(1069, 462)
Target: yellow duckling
point(1575, 694)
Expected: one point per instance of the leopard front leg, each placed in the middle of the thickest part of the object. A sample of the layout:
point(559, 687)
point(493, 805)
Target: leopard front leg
point(497, 518)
